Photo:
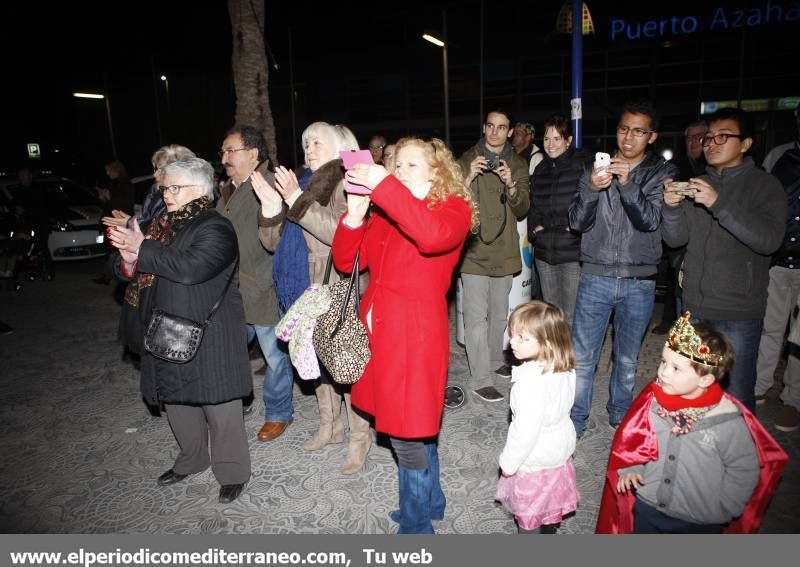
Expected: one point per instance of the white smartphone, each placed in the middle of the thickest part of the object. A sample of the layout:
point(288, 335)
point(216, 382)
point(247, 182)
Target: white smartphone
point(601, 160)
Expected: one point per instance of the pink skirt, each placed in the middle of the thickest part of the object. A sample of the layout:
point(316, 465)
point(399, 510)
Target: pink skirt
point(541, 497)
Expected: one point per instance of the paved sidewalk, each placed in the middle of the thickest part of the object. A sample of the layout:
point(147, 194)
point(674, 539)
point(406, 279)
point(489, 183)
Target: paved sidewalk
point(81, 453)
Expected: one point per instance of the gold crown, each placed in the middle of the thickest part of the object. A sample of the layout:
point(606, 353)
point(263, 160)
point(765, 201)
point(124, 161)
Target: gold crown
point(683, 340)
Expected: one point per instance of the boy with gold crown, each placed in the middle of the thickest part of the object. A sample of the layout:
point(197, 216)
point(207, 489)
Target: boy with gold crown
point(689, 458)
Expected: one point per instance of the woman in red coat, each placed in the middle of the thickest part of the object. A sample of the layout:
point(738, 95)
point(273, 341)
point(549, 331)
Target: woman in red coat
point(410, 245)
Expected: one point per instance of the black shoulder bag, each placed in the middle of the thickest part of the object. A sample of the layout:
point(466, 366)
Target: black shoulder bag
point(176, 339)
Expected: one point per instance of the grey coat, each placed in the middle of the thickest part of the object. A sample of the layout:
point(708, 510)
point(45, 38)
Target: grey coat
point(706, 476)
point(241, 207)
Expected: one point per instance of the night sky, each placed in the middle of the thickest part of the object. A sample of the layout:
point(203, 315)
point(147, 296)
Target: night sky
point(51, 51)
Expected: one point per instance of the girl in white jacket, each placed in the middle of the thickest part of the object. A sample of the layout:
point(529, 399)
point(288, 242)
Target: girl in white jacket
point(538, 484)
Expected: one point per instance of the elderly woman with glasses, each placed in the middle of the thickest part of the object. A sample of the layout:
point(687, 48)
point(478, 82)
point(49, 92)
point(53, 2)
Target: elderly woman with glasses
point(183, 266)
point(298, 219)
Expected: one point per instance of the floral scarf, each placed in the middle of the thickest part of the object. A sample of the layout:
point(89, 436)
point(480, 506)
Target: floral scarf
point(164, 229)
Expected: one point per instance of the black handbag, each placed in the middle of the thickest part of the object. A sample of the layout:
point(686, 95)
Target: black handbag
point(340, 340)
point(174, 338)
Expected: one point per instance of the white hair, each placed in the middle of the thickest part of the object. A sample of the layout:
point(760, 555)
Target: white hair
point(336, 136)
point(194, 170)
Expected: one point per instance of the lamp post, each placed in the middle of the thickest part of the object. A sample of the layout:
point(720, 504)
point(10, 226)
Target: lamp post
point(166, 86)
point(108, 116)
point(443, 44)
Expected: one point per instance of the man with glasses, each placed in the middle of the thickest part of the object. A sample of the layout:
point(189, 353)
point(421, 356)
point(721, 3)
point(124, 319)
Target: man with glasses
point(618, 210)
point(731, 220)
point(242, 151)
point(498, 180)
point(692, 162)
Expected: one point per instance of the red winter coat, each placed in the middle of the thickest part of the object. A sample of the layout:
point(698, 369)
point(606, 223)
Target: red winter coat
point(410, 252)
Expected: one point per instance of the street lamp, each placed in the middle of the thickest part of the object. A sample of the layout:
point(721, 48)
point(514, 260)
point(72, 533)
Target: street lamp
point(108, 116)
point(443, 44)
point(166, 85)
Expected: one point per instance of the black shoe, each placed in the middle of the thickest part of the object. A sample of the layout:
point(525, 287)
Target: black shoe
point(504, 371)
point(488, 394)
point(453, 397)
point(170, 477)
point(230, 492)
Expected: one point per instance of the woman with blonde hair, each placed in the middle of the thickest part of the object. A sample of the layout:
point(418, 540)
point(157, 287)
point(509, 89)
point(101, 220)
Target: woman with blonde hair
point(297, 221)
point(410, 244)
point(153, 204)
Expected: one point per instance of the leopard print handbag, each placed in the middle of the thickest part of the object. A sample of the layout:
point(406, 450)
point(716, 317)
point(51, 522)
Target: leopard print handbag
point(340, 339)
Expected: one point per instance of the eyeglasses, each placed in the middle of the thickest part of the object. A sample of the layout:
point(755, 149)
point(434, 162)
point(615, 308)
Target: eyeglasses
point(695, 138)
point(636, 132)
point(230, 151)
point(719, 139)
point(172, 189)
point(379, 147)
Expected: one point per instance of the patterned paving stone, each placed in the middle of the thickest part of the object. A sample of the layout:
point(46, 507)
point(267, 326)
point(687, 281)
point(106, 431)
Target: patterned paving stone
point(81, 452)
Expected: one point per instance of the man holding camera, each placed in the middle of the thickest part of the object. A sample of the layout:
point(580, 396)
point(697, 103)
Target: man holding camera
point(617, 208)
point(731, 220)
point(498, 179)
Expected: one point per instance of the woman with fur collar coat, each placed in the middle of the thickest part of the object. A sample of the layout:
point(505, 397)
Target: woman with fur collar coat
point(297, 221)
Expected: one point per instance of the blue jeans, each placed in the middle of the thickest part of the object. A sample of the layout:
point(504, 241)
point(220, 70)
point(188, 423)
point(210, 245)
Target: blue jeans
point(278, 378)
point(631, 301)
point(745, 337)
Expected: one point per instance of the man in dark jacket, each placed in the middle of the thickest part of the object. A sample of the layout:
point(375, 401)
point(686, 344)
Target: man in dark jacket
point(783, 291)
point(618, 210)
point(498, 180)
point(242, 150)
point(731, 226)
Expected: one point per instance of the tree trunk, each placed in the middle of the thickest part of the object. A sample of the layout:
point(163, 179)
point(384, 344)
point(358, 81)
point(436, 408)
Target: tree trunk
point(251, 69)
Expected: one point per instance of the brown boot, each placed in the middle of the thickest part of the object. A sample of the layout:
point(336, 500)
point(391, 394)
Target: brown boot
point(331, 429)
point(360, 440)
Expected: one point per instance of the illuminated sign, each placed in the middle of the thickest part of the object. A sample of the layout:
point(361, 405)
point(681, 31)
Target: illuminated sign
point(34, 152)
point(751, 105)
point(722, 18)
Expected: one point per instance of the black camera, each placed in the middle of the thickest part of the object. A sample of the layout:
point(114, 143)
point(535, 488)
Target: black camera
point(492, 162)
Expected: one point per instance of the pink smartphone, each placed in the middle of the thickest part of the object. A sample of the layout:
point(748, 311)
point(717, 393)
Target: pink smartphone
point(351, 159)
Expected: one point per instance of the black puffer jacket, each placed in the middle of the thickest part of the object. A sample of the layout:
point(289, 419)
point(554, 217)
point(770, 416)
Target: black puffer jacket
point(553, 186)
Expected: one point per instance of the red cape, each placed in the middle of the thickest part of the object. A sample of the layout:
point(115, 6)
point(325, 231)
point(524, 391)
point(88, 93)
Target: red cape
point(635, 443)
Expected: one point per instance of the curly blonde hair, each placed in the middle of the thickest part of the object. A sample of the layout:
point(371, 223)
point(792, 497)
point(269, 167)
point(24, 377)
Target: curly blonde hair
point(448, 179)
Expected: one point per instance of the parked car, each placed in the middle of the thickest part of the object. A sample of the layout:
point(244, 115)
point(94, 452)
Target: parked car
point(74, 212)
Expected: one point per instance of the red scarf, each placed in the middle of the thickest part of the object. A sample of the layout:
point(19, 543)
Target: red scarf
point(669, 402)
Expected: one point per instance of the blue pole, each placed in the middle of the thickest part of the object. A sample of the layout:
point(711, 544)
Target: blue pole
point(577, 72)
